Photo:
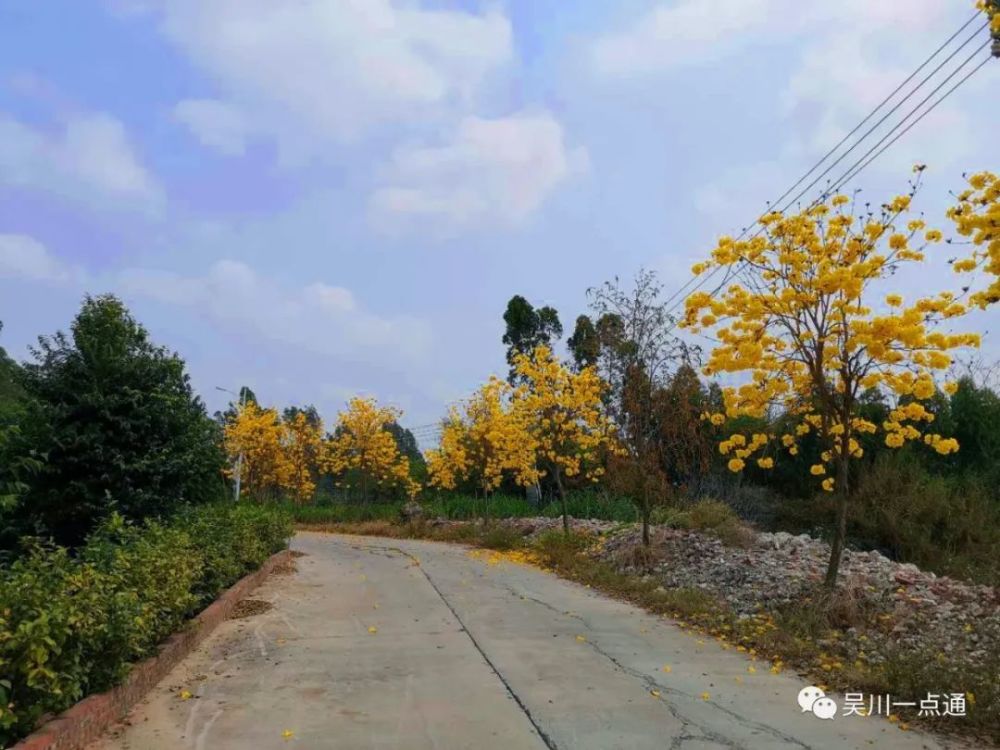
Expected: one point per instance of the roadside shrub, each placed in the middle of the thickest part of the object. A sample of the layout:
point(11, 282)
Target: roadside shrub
point(943, 524)
point(501, 537)
point(720, 520)
point(72, 625)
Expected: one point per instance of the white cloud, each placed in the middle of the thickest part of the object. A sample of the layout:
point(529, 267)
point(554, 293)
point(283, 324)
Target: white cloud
point(689, 33)
point(215, 123)
point(25, 257)
point(90, 160)
point(309, 73)
point(320, 318)
point(492, 172)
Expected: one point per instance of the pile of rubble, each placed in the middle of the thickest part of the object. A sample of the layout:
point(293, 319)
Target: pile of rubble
point(900, 605)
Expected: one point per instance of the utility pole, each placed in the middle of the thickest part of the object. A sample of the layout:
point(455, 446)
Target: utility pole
point(239, 458)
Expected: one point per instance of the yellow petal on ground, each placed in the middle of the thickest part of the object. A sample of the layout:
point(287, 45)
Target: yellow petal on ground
point(581, 639)
point(655, 693)
point(374, 606)
point(752, 669)
point(287, 734)
point(667, 668)
point(185, 695)
point(706, 695)
point(372, 629)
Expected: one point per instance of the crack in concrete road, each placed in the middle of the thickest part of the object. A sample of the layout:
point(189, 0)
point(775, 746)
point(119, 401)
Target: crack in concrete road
point(517, 699)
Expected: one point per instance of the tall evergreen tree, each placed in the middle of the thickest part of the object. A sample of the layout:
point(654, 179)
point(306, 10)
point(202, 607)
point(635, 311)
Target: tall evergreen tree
point(118, 425)
point(528, 328)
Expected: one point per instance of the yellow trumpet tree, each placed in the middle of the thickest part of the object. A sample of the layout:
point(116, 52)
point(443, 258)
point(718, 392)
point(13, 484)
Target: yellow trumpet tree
point(257, 435)
point(303, 446)
point(482, 441)
point(803, 318)
point(562, 410)
point(977, 217)
point(362, 443)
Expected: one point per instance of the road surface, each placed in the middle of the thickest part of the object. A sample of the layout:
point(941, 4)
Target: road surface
point(383, 643)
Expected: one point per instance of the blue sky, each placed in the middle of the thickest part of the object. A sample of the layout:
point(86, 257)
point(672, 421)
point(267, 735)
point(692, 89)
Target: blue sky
point(324, 197)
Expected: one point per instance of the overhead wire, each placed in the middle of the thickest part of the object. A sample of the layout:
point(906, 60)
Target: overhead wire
point(873, 153)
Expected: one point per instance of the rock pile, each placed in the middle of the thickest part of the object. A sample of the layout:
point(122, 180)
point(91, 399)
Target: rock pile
point(897, 605)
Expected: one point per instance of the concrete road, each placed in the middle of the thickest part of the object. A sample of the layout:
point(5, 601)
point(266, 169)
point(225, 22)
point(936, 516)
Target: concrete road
point(381, 643)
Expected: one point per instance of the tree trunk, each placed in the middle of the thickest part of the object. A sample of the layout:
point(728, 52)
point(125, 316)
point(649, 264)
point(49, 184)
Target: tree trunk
point(562, 499)
point(486, 509)
point(840, 527)
point(646, 512)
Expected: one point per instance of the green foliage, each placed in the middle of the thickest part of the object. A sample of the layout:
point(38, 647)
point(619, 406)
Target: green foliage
point(11, 393)
point(458, 507)
point(501, 537)
point(585, 343)
point(527, 328)
point(119, 427)
point(71, 625)
point(950, 525)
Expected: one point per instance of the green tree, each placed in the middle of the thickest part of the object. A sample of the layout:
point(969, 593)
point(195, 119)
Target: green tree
point(118, 425)
point(585, 343)
point(406, 443)
point(11, 392)
point(528, 328)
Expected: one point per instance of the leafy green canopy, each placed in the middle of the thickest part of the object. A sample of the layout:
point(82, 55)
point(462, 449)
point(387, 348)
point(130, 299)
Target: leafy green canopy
point(117, 424)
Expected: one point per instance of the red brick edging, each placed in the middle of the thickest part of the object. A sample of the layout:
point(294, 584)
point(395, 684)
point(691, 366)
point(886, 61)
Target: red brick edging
point(88, 719)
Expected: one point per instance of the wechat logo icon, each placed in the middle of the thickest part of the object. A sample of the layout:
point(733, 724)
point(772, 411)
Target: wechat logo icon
point(814, 700)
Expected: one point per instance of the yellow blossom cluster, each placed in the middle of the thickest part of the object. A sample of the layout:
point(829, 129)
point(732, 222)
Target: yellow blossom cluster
point(303, 448)
point(361, 442)
point(256, 436)
point(992, 11)
point(552, 422)
point(798, 319)
point(563, 412)
point(484, 440)
point(977, 218)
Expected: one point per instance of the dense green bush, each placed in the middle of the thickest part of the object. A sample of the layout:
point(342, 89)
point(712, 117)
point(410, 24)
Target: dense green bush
point(118, 425)
point(71, 625)
point(950, 525)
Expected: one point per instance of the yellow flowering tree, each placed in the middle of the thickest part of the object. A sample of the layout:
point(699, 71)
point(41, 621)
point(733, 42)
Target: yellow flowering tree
point(802, 317)
point(482, 441)
point(992, 10)
point(303, 445)
point(563, 412)
point(977, 217)
point(255, 437)
point(362, 443)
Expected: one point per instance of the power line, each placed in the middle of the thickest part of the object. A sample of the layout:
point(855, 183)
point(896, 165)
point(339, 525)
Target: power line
point(899, 124)
point(855, 169)
point(704, 279)
point(887, 99)
point(852, 174)
point(896, 107)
